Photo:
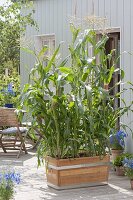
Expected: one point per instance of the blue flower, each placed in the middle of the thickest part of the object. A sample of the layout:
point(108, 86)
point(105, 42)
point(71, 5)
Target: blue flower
point(128, 163)
point(16, 178)
point(10, 89)
point(121, 134)
point(118, 138)
point(10, 176)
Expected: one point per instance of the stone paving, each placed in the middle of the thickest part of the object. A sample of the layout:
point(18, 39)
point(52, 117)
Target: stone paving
point(34, 187)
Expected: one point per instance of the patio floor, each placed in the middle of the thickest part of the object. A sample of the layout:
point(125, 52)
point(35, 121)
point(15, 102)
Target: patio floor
point(33, 185)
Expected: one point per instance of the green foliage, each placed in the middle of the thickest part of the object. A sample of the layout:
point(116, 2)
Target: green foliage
point(6, 97)
point(12, 26)
point(6, 193)
point(119, 159)
point(129, 172)
point(78, 121)
point(7, 183)
point(116, 146)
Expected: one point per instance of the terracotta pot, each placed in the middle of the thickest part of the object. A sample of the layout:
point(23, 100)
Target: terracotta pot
point(77, 172)
point(131, 182)
point(120, 171)
point(115, 153)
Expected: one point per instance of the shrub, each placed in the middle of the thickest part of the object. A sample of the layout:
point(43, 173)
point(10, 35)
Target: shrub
point(119, 159)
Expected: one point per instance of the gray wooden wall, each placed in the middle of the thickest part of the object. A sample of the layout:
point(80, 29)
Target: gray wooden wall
point(53, 16)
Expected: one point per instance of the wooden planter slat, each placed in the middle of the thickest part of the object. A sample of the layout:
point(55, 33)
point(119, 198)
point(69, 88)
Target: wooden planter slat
point(83, 171)
point(72, 173)
point(76, 161)
point(78, 180)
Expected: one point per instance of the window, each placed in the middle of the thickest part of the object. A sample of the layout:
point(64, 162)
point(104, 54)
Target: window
point(45, 40)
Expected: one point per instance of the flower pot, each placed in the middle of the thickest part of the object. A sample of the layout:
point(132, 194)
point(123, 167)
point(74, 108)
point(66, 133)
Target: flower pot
point(131, 182)
point(78, 172)
point(9, 105)
point(115, 153)
point(120, 171)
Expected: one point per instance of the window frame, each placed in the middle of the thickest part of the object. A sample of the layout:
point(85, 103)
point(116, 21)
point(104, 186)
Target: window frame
point(38, 43)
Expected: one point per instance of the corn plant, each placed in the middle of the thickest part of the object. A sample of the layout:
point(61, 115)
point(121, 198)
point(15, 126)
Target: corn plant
point(77, 122)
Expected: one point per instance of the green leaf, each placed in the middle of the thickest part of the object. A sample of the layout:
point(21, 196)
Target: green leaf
point(42, 52)
point(75, 32)
point(50, 63)
point(65, 70)
point(84, 77)
point(122, 74)
point(101, 44)
point(63, 62)
point(111, 71)
point(70, 78)
point(71, 104)
point(28, 51)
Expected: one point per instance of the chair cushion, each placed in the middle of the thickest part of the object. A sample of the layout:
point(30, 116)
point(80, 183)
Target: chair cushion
point(14, 130)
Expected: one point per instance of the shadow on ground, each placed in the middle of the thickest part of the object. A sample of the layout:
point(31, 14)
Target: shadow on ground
point(14, 161)
point(108, 192)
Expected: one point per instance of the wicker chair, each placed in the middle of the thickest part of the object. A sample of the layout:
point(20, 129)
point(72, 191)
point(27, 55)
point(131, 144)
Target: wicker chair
point(12, 135)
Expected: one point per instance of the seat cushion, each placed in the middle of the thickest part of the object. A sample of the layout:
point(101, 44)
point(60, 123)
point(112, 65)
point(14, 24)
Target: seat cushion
point(14, 130)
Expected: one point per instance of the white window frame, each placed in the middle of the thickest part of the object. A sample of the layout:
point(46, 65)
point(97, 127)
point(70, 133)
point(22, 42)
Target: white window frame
point(45, 39)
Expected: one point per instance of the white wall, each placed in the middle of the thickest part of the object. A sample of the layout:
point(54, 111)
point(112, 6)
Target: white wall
point(53, 16)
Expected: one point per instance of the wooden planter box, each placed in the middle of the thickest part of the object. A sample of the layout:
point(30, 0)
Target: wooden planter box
point(78, 172)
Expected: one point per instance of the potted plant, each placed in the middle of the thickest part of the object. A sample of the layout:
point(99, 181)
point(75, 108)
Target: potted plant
point(73, 112)
point(9, 89)
point(128, 167)
point(9, 94)
point(117, 143)
point(7, 183)
point(118, 163)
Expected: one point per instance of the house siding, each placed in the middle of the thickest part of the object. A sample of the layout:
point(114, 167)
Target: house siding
point(52, 17)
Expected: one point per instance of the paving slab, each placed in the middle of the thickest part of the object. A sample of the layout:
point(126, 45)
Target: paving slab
point(33, 184)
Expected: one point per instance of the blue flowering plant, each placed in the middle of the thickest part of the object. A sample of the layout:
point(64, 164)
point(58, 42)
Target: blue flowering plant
point(9, 88)
point(128, 167)
point(9, 94)
point(7, 183)
point(117, 140)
